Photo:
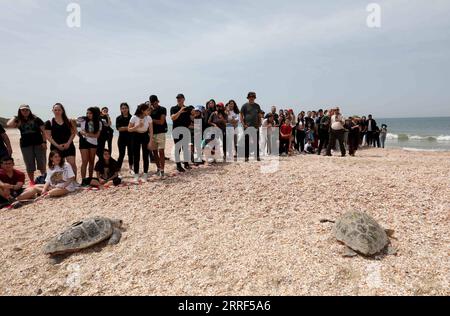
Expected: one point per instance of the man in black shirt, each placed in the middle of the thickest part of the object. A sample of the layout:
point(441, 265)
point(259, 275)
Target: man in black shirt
point(181, 117)
point(158, 115)
point(251, 116)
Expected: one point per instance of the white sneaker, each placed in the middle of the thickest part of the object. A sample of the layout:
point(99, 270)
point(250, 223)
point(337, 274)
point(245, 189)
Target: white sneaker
point(136, 178)
point(145, 177)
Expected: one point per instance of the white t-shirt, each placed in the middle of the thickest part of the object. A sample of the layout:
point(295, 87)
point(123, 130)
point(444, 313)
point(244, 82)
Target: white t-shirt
point(337, 122)
point(233, 116)
point(90, 129)
point(147, 120)
point(58, 176)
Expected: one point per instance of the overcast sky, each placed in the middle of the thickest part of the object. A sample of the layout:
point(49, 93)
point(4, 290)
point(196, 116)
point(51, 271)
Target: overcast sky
point(294, 54)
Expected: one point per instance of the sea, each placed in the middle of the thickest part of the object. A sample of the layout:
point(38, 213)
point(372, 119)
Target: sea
point(418, 134)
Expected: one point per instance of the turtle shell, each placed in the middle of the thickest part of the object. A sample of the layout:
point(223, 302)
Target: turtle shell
point(80, 235)
point(361, 233)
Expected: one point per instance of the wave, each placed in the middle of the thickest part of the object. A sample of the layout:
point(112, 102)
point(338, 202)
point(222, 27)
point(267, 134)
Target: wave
point(423, 150)
point(406, 137)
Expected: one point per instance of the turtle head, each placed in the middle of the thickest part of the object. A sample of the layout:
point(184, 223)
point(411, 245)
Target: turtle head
point(118, 223)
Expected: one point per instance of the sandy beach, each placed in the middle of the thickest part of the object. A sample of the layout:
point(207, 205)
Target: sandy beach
point(235, 230)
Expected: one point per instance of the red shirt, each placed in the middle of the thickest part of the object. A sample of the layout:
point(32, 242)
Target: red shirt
point(286, 130)
point(18, 176)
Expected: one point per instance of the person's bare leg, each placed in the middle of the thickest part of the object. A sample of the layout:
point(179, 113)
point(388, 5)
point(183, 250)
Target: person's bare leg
point(31, 176)
point(162, 159)
point(72, 162)
point(28, 194)
point(92, 153)
point(95, 183)
point(57, 193)
point(84, 162)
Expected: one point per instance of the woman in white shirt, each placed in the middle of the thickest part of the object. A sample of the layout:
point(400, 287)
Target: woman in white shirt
point(337, 132)
point(60, 178)
point(141, 129)
point(91, 127)
point(233, 121)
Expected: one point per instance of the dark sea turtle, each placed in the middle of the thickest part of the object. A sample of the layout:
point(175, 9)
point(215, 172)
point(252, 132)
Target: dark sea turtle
point(361, 234)
point(85, 234)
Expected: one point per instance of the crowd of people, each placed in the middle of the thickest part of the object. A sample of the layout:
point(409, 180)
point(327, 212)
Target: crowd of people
point(142, 136)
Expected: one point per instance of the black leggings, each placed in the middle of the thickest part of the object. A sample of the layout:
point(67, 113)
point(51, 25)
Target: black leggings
point(125, 143)
point(140, 140)
point(300, 145)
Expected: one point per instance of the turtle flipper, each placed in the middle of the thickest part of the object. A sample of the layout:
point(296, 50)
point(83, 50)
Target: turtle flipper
point(115, 238)
point(349, 253)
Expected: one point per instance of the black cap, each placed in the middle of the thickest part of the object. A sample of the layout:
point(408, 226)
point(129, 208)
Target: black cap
point(153, 99)
point(180, 96)
point(251, 94)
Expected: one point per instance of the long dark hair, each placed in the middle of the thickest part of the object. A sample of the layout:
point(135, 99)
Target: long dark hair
point(215, 105)
point(23, 119)
point(141, 109)
point(127, 106)
point(64, 116)
point(95, 118)
point(235, 107)
point(50, 157)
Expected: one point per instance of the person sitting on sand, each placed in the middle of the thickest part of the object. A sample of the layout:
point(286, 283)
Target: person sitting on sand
point(309, 148)
point(60, 178)
point(107, 171)
point(11, 184)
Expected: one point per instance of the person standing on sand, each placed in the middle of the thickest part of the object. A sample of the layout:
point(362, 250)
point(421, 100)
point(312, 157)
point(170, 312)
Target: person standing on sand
point(353, 135)
point(383, 135)
point(160, 129)
point(33, 142)
point(267, 128)
point(233, 121)
point(181, 117)
point(337, 132)
point(91, 127)
point(5, 144)
point(363, 133)
point(141, 129)
point(11, 184)
point(371, 131)
point(300, 132)
point(60, 132)
point(285, 137)
point(106, 134)
point(323, 123)
point(124, 143)
point(251, 117)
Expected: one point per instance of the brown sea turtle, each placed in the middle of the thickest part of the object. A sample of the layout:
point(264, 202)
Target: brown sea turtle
point(85, 234)
point(362, 235)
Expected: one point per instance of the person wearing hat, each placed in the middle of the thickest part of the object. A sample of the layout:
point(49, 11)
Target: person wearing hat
point(181, 117)
point(160, 129)
point(33, 142)
point(251, 117)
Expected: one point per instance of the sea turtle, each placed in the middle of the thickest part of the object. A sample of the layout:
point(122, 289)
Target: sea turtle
point(362, 234)
point(85, 234)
